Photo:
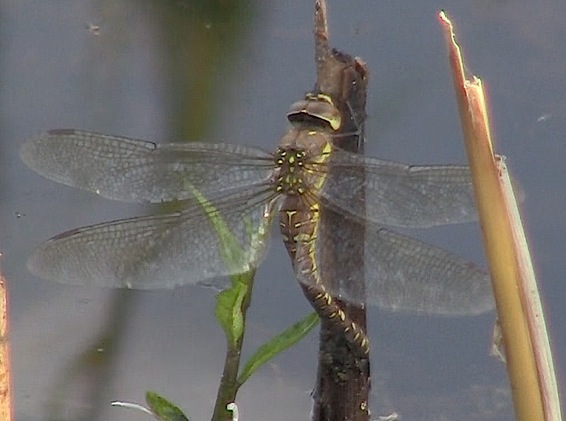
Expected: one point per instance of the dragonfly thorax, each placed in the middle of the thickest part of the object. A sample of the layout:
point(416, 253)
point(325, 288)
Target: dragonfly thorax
point(299, 160)
point(290, 171)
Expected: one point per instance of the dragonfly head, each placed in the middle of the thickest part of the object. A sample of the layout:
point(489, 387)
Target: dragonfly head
point(315, 110)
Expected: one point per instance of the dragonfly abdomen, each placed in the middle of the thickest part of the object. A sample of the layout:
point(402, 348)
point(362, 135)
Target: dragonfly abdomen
point(299, 225)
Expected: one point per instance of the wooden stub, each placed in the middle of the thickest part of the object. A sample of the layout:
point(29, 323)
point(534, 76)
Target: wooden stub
point(343, 379)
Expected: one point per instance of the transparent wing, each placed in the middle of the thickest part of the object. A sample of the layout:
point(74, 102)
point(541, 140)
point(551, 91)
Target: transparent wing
point(404, 274)
point(408, 275)
point(133, 170)
point(161, 251)
point(397, 194)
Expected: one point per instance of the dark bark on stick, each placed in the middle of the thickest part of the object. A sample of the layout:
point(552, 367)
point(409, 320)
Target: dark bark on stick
point(343, 379)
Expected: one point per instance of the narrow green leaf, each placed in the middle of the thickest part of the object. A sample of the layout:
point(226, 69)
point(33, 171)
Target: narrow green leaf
point(231, 248)
point(278, 344)
point(229, 302)
point(229, 311)
point(163, 409)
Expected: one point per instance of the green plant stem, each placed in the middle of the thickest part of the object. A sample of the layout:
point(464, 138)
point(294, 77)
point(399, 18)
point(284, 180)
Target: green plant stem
point(229, 385)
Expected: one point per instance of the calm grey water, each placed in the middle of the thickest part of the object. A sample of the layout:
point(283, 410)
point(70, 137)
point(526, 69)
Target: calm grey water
point(169, 74)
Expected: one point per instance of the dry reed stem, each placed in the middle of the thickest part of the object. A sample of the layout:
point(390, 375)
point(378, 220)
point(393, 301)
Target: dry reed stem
point(5, 377)
point(529, 361)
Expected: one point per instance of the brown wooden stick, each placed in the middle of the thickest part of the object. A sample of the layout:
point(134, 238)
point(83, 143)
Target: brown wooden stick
point(343, 380)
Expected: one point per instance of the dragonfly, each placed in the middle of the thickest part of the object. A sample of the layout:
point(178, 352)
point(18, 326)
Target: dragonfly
point(248, 188)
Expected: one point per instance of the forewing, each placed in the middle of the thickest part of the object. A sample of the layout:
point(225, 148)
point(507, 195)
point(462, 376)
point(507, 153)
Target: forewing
point(395, 194)
point(133, 170)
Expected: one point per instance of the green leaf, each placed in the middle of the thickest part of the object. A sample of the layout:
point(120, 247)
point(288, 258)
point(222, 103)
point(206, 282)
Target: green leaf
point(229, 311)
point(231, 248)
point(163, 409)
point(278, 344)
point(229, 302)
